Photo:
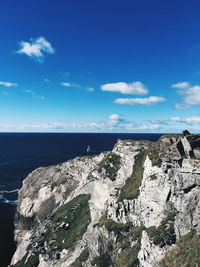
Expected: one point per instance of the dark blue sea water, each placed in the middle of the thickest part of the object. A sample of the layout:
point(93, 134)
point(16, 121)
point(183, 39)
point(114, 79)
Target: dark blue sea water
point(21, 153)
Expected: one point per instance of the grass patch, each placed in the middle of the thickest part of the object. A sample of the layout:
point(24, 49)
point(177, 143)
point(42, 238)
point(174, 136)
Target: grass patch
point(32, 261)
point(131, 188)
point(111, 225)
point(153, 154)
point(82, 258)
point(110, 165)
point(186, 253)
point(129, 255)
point(102, 260)
point(165, 233)
point(76, 215)
point(126, 233)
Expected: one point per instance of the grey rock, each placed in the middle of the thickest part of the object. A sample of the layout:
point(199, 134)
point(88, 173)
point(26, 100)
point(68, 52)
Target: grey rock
point(170, 187)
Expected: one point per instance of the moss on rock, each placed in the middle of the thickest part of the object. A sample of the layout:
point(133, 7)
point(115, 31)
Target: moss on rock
point(28, 261)
point(103, 259)
point(82, 258)
point(153, 154)
point(128, 256)
point(163, 234)
point(126, 234)
point(131, 188)
point(111, 225)
point(110, 165)
point(69, 223)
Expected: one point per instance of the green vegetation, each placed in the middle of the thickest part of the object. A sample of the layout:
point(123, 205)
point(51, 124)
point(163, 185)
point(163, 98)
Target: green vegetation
point(153, 154)
point(82, 258)
point(111, 164)
point(129, 239)
point(102, 260)
point(129, 255)
point(32, 261)
point(126, 233)
point(75, 217)
point(131, 188)
point(186, 253)
point(111, 225)
point(164, 234)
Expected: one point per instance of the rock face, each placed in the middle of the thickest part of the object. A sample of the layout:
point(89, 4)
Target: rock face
point(127, 207)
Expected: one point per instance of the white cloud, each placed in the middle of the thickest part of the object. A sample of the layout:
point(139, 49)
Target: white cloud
point(36, 48)
point(130, 126)
point(114, 117)
point(66, 84)
point(135, 88)
point(175, 119)
point(181, 85)
point(46, 80)
point(77, 85)
point(148, 127)
point(181, 106)
point(115, 120)
point(71, 84)
point(195, 119)
point(190, 94)
point(140, 101)
point(33, 94)
point(114, 123)
point(8, 84)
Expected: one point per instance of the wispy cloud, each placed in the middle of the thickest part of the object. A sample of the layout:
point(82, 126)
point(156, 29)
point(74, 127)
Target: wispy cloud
point(114, 122)
point(147, 101)
point(77, 85)
point(66, 84)
point(33, 94)
point(71, 84)
point(135, 88)
point(90, 89)
point(181, 106)
point(195, 119)
point(147, 127)
point(8, 84)
point(181, 85)
point(36, 49)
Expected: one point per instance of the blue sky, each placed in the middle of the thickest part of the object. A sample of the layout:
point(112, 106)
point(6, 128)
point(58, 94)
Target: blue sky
point(99, 66)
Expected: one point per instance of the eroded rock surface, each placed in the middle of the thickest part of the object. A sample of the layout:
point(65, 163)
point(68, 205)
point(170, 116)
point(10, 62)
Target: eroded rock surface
point(127, 207)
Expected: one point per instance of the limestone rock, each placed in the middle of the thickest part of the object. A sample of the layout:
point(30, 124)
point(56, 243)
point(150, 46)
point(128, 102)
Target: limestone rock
point(137, 188)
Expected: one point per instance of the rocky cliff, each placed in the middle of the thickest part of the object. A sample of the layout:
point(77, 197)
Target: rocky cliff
point(138, 205)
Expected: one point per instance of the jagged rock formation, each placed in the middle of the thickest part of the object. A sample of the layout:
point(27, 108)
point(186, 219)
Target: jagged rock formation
point(132, 206)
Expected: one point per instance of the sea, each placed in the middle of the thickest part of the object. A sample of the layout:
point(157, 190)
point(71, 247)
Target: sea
point(21, 153)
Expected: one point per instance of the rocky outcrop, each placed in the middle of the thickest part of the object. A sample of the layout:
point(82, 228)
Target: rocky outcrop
point(127, 207)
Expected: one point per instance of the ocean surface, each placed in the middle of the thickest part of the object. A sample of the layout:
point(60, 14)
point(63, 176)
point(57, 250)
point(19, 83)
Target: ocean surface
point(21, 153)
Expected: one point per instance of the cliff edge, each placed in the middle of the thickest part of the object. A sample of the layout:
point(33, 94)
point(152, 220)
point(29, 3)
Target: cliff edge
point(137, 205)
